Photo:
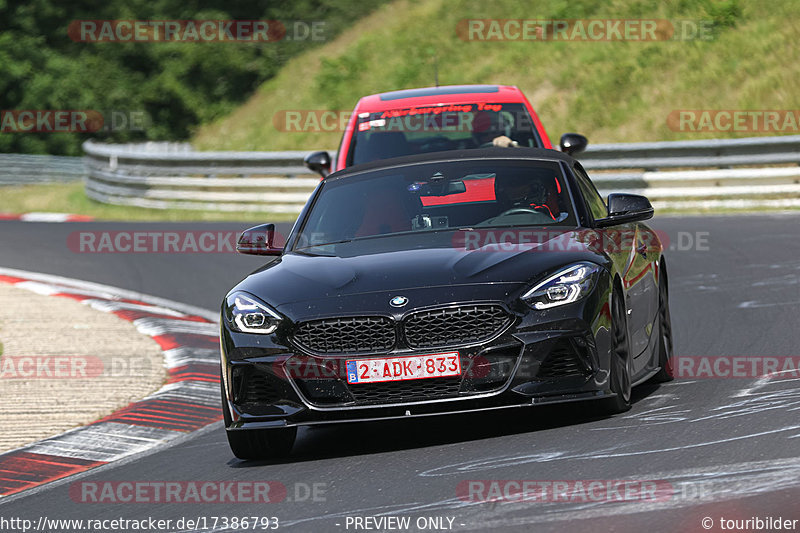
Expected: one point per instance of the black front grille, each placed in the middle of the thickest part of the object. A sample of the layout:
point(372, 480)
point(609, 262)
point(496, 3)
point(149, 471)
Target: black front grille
point(405, 391)
point(454, 325)
point(563, 360)
point(366, 334)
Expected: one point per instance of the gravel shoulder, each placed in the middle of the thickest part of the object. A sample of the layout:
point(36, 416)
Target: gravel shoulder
point(65, 364)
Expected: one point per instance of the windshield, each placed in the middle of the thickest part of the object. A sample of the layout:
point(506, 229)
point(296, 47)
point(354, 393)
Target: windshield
point(423, 129)
point(435, 197)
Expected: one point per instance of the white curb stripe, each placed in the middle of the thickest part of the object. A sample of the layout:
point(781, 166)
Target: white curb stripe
point(109, 290)
point(186, 405)
point(162, 326)
point(111, 306)
point(103, 441)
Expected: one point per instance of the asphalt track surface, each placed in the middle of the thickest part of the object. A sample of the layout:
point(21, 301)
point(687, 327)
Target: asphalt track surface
point(729, 448)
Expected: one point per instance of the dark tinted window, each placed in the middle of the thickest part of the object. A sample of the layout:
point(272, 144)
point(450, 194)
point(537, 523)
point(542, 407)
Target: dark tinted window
point(593, 199)
point(435, 91)
point(441, 197)
point(424, 129)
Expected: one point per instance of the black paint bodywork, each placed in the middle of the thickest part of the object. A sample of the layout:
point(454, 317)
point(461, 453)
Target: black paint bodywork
point(434, 274)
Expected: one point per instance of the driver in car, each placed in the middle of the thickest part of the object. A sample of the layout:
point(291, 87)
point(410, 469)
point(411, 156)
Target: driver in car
point(522, 192)
point(488, 130)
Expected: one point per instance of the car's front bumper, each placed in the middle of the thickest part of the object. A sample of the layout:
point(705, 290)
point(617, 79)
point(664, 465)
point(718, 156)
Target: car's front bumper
point(558, 358)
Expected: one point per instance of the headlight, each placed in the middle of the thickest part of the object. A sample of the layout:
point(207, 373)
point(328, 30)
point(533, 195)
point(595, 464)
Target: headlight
point(247, 314)
point(566, 286)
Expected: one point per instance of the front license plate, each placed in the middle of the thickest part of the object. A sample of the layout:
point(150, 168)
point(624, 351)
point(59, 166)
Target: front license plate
point(379, 369)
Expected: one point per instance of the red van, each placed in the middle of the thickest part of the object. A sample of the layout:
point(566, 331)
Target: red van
point(436, 119)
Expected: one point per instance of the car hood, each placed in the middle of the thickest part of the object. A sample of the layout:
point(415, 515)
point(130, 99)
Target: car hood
point(445, 273)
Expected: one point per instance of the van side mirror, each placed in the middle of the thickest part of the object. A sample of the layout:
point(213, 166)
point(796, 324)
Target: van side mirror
point(573, 143)
point(319, 162)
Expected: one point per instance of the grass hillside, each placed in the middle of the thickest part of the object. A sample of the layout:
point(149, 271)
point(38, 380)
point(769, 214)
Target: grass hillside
point(610, 91)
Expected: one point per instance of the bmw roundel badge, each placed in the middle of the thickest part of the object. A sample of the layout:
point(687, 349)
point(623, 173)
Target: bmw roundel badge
point(398, 301)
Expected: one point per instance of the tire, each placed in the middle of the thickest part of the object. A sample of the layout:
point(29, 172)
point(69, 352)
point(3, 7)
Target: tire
point(620, 362)
point(256, 443)
point(665, 332)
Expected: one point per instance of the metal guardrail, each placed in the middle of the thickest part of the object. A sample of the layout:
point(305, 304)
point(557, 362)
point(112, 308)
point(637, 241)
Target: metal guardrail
point(767, 176)
point(23, 169)
point(701, 153)
point(681, 175)
point(185, 179)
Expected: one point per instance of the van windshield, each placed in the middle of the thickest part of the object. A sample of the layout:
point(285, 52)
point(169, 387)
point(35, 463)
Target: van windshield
point(423, 129)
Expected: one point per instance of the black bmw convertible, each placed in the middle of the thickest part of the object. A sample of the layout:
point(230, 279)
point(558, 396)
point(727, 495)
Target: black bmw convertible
point(444, 283)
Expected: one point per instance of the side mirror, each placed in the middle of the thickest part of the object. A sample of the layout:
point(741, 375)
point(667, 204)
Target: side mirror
point(623, 208)
point(319, 162)
point(258, 240)
point(573, 143)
